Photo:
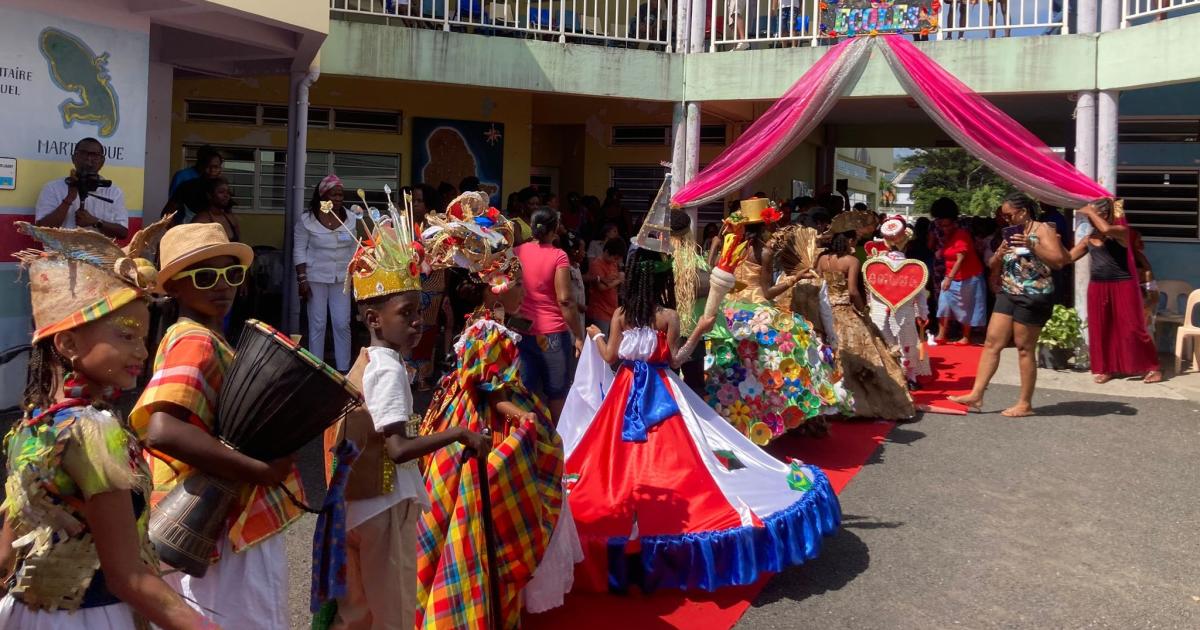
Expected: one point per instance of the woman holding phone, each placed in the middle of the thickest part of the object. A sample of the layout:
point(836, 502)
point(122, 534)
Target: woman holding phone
point(1118, 341)
point(1027, 256)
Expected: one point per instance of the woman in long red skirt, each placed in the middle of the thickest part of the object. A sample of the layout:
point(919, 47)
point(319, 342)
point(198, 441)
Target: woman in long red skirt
point(1118, 340)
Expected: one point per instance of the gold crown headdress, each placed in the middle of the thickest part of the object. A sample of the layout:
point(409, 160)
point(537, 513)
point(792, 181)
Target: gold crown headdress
point(474, 236)
point(388, 259)
point(83, 275)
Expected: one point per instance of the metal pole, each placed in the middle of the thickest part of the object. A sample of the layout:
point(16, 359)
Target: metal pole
point(294, 176)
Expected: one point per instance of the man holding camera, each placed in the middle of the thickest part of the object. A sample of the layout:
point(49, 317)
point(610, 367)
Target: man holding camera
point(84, 199)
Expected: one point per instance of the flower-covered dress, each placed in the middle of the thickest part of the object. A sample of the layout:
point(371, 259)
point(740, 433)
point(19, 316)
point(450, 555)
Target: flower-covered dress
point(56, 461)
point(766, 369)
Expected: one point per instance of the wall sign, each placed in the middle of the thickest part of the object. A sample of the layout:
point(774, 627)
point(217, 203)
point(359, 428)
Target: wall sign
point(863, 17)
point(8, 173)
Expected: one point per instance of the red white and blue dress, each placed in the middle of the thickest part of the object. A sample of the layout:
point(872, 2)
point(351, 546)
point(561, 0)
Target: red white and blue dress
point(666, 493)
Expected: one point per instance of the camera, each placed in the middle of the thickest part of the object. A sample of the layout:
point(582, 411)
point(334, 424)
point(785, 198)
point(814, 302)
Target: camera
point(88, 182)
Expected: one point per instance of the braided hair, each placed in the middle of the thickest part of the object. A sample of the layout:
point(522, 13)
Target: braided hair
point(649, 286)
point(1021, 201)
point(842, 243)
point(46, 367)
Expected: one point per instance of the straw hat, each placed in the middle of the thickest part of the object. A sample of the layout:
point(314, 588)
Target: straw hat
point(82, 275)
point(655, 233)
point(185, 245)
point(852, 220)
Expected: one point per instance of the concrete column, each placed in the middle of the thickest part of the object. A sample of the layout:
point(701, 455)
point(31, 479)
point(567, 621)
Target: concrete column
point(1085, 150)
point(1107, 110)
point(678, 147)
point(157, 171)
point(692, 158)
point(683, 24)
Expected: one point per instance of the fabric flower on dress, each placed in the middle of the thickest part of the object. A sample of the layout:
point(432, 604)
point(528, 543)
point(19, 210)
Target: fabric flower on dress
point(789, 368)
point(735, 373)
point(742, 315)
point(785, 344)
point(747, 350)
point(750, 388)
point(776, 401)
point(792, 388)
point(793, 417)
point(766, 337)
point(772, 380)
point(775, 422)
point(727, 395)
point(760, 433)
point(724, 355)
point(739, 412)
point(771, 359)
point(741, 330)
point(784, 322)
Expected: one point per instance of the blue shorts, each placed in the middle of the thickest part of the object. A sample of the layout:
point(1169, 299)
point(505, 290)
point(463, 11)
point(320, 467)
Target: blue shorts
point(965, 302)
point(547, 371)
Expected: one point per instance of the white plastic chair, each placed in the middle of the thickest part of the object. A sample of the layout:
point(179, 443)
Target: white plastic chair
point(1172, 290)
point(1188, 332)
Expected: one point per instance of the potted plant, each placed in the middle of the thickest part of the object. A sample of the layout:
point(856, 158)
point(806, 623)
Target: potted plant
point(1059, 338)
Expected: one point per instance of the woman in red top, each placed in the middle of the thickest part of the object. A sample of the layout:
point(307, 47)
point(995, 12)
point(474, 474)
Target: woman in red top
point(963, 297)
point(548, 348)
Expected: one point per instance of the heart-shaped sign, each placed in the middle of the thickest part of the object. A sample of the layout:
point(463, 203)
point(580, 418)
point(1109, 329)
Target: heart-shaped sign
point(895, 282)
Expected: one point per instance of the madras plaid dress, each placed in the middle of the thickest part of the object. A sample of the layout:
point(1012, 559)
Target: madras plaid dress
point(188, 371)
point(524, 472)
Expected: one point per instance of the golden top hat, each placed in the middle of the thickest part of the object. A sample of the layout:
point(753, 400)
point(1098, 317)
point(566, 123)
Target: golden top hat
point(756, 210)
point(83, 275)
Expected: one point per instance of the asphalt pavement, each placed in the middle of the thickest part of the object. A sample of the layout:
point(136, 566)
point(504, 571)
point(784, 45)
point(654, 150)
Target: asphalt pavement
point(1085, 516)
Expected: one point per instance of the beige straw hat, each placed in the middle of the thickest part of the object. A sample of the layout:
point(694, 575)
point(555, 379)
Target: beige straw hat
point(185, 245)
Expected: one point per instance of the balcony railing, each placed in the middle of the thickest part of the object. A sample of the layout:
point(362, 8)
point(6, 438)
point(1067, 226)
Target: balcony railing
point(729, 24)
point(1142, 11)
point(645, 23)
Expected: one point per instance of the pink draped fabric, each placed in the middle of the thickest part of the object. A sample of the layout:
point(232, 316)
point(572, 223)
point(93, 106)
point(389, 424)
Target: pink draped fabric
point(780, 128)
point(978, 126)
point(988, 133)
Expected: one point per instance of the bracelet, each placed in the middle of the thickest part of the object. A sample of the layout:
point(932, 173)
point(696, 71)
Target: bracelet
point(598, 337)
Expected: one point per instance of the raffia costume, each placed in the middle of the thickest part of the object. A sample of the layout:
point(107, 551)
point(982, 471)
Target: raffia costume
point(58, 458)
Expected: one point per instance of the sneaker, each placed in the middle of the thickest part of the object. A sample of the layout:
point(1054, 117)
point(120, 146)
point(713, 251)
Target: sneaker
point(742, 46)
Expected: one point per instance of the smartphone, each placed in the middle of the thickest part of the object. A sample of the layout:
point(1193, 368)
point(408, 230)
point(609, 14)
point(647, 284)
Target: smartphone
point(1012, 231)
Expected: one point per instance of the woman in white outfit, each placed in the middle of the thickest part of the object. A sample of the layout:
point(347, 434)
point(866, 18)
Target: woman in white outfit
point(323, 247)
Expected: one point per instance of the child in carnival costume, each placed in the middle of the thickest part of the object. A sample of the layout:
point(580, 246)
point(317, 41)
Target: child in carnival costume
point(175, 418)
point(536, 544)
point(767, 371)
point(385, 492)
point(903, 328)
point(76, 514)
point(665, 492)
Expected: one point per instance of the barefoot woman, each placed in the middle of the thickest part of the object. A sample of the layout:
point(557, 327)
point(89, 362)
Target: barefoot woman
point(1024, 303)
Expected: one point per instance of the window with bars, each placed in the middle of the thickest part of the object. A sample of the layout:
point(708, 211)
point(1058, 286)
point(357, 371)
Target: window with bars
point(1162, 202)
point(257, 175)
point(639, 185)
point(1159, 130)
point(276, 115)
point(640, 135)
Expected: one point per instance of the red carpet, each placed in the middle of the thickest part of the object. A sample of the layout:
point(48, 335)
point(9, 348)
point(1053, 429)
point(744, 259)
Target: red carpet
point(841, 456)
point(953, 373)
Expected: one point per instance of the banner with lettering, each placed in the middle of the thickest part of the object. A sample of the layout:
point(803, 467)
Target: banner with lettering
point(849, 18)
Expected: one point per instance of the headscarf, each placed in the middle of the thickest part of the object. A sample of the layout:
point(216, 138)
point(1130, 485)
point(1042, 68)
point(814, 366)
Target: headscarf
point(328, 183)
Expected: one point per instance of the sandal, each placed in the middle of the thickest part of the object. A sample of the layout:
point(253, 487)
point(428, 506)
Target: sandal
point(1101, 379)
point(1154, 376)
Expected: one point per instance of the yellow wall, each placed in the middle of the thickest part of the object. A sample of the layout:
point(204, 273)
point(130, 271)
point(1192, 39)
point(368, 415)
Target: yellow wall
point(414, 100)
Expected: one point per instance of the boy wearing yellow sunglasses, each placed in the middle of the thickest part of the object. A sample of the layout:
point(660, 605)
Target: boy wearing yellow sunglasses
point(175, 417)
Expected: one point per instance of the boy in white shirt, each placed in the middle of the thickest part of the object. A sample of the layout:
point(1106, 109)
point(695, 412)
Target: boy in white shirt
point(386, 492)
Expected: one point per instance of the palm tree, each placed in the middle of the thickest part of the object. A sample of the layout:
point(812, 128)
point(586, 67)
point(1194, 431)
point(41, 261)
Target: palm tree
point(887, 192)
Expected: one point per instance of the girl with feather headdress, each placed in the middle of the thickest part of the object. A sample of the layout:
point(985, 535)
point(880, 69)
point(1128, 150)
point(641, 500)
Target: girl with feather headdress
point(76, 514)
